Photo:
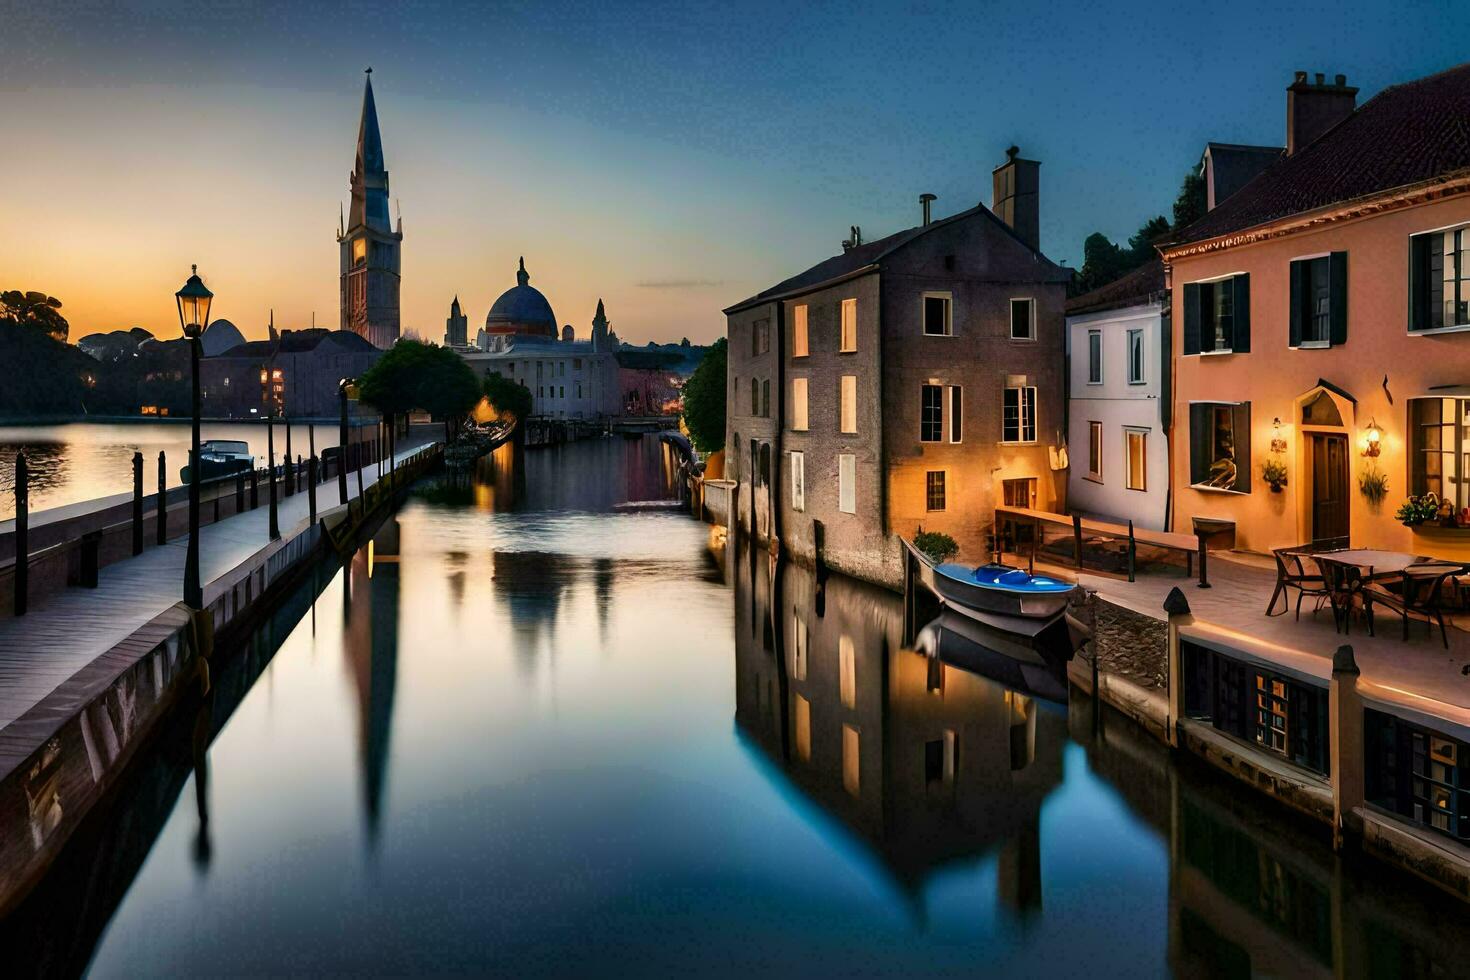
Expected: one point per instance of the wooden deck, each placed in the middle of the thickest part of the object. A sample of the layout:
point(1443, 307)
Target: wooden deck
point(66, 631)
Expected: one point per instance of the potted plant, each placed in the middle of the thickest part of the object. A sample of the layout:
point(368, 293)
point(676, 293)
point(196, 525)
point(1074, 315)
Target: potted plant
point(1273, 471)
point(1416, 510)
point(1374, 485)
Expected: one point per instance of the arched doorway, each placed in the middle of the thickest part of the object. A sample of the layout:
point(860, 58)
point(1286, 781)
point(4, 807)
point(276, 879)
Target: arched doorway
point(1326, 466)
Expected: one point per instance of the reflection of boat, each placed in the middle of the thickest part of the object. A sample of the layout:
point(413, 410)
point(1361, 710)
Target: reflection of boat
point(1025, 655)
point(991, 588)
point(221, 457)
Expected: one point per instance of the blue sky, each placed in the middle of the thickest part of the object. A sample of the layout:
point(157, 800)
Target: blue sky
point(672, 158)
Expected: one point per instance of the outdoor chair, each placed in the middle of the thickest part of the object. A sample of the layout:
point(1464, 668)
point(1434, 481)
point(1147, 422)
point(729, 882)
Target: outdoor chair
point(1344, 585)
point(1419, 594)
point(1292, 574)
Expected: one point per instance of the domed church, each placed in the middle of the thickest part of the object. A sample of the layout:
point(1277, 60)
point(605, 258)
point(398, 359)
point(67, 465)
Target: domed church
point(521, 311)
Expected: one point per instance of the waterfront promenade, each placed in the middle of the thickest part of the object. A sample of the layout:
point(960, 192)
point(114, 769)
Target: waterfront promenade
point(66, 631)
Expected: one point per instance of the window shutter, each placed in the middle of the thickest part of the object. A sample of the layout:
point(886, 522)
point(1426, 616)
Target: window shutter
point(1191, 318)
point(1419, 281)
point(1337, 296)
point(1240, 342)
point(1198, 436)
point(1294, 331)
point(1240, 418)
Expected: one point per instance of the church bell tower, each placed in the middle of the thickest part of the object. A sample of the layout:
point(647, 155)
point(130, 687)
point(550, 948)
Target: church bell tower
point(370, 245)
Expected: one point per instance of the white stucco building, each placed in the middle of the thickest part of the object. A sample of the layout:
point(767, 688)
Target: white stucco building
point(1118, 405)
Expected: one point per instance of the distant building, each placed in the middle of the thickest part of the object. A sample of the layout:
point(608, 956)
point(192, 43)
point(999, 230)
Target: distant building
point(1119, 399)
point(371, 249)
point(296, 374)
point(521, 311)
point(1227, 167)
point(911, 382)
point(456, 328)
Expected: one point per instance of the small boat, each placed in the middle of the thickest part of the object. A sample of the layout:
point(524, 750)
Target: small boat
point(221, 457)
point(991, 588)
point(1033, 662)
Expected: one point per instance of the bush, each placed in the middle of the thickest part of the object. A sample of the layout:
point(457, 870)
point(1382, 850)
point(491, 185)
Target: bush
point(704, 400)
point(937, 546)
point(507, 397)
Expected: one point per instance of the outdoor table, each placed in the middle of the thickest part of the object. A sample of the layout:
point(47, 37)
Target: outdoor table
point(1381, 563)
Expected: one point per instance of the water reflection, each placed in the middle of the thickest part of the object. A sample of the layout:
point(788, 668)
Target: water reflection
point(370, 649)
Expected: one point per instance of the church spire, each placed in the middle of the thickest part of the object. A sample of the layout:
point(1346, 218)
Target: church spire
point(370, 176)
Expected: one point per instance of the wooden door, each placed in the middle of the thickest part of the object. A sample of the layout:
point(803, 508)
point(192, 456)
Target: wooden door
point(1329, 489)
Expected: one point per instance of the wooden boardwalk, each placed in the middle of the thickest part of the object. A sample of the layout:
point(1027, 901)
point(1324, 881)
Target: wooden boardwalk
point(65, 632)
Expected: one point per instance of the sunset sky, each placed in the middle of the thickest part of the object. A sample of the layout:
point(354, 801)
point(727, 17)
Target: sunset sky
point(671, 158)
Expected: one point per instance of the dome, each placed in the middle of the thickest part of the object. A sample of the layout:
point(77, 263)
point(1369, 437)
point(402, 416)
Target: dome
point(220, 336)
point(522, 310)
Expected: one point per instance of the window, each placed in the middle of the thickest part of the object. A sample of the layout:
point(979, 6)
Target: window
point(1280, 714)
point(939, 759)
point(798, 404)
point(798, 482)
point(1094, 357)
point(1020, 492)
point(851, 760)
point(798, 331)
point(803, 729)
point(1220, 446)
point(849, 403)
point(1136, 441)
point(800, 644)
point(1439, 439)
point(846, 480)
point(1415, 772)
point(931, 414)
point(561, 391)
point(847, 671)
point(755, 397)
point(1094, 451)
point(1018, 415)
point(766, 398)
point(1217, 316)
point(849, 325)
point(1023, 319)
point(956, 412)
point(1135, 357)
point(561, 369)
point(760, 337)
point(934, 490)
point(1439, 280)
point(1318, 314)
point(576, 364)
point(938, 318)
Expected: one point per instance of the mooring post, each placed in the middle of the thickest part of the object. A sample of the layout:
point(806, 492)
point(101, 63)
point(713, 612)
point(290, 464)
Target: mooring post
point(1176, 607)
point(1204, 576)
point(270, 442)
point(1132, 551)
point(254, 487)
point(311, 487)
point(908, 597)
point(1345, 746)
point(1077, 539)
point(239, 492)
point(22, 533)
point(162, 499)
point(137, 503)
point(290, 477)
point(359, 472)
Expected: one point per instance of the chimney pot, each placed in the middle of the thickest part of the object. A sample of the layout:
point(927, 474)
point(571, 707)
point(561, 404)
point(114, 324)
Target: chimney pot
point(924, 201)
point(1321, 78)
point(1313, 109)
point(1301, 76)
point(1340, 81)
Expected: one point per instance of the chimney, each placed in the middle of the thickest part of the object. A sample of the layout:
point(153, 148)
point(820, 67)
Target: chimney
point(1016, 185)
point(1313, 107)
point(924, 201)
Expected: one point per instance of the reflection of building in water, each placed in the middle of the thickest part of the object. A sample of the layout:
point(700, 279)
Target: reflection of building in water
point(926, 762)
point(531, 585)
point(371, 648)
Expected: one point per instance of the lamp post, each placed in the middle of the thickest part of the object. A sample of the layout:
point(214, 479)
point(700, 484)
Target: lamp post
point(194, 300)
point(342, 387)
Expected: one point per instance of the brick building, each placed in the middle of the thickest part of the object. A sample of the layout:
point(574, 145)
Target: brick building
point(914, 381)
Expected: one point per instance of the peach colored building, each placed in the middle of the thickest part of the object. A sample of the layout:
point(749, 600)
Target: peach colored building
point(1321, 324)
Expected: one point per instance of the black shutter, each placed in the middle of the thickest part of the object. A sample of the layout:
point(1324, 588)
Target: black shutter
point(1240, 342)
point(1294, 312)
point(1419, 281)
point(1191, 318)
point(1337, 296)
point(1240, 419)
point(1199, 420)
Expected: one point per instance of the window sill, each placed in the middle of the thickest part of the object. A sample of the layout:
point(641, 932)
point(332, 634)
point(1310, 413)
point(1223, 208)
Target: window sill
point(1095, 384)
point(928, 334)
point(1094, 478)
point(1139, 383)
point(1313, 345)
point(1215, 353)
point(1023, 340)
point(1202, 488)
point(1031, 442)
point(1433, 331)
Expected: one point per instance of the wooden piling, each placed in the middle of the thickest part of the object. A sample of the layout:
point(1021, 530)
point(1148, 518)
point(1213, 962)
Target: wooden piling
point(22, 533)
point(137, 503)
point(162, 527)
point(311, 474)
point(1132, 551)
point(1077, 539)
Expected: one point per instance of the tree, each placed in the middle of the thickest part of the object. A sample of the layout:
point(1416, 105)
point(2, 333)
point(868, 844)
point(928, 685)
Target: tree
point(704, 399)
point(1189, 206)
point(34, 310)
point(43, 376)
point(1102, 262)
point(507, 397)
point(1141, 244)
point(414, 375)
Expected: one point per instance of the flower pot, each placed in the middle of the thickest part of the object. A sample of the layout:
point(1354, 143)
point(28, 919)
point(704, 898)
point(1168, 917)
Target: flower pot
point(1275, 488)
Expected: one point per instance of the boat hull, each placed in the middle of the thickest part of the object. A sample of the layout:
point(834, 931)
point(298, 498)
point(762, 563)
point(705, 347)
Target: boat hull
point(986, 598)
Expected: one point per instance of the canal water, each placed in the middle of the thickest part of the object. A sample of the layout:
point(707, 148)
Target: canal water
point(87, 460)
point(530, 731)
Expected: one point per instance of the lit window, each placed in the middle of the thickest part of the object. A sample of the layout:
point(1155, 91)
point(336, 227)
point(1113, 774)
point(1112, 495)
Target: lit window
point(956, 413)
point(1023, 319)
point(799, 642)
point(1439, 279)
point(798, 482)
point(1219, 446)
point(847, 671)
point(1094, 450)
point(846, 483)
point(849, 325)
point(803, 729)
point(934, 490)
point(851, 760)
point(1018, 414)
point(938, 318)
point(1137, 441)
point(798, 404)
point(849, 403)
point(798, 331)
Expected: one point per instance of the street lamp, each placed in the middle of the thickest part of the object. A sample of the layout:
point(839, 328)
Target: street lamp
point(194, 300)
point(342, 387)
